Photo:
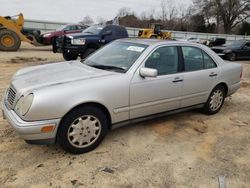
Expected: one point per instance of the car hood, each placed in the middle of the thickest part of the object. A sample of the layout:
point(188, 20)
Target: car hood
point(32, 78)
point(226, 48)
point(80, 35)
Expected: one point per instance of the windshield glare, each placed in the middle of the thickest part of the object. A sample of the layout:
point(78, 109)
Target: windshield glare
point(93, 30)
point(117, 56)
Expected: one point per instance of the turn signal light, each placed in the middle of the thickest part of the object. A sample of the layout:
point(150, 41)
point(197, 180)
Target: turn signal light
point(47, 129)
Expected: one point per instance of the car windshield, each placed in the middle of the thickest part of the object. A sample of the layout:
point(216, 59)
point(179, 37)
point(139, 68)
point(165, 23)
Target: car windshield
point(93, 29)
point(118, 56)
point(235, 44)
point(61, 28)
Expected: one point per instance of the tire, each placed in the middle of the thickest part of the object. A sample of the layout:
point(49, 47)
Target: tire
point(153, 37)
point(87, 53)
point(232, 56)
point(69, 56)
point(81, 123)
point(215, 100)
point(54, 46)
point(9, 40)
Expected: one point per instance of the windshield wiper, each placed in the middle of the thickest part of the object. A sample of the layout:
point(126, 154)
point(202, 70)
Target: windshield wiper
point(108, 67)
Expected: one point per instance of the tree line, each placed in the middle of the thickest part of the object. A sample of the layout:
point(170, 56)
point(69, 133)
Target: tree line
point(208, 16)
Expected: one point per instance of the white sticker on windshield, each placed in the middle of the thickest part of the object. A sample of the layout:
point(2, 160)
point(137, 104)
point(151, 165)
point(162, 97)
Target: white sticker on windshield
point(135, 48)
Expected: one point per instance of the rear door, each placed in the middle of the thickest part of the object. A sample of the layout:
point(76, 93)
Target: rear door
point(155, 95)
point(200, 75)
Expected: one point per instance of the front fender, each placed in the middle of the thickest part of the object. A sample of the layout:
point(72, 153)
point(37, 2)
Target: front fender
point(54, 102)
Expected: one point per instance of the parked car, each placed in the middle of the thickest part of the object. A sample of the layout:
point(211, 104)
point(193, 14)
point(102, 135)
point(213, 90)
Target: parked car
point(234, 50)
point(48, 37)
point(91, 39)
point(192, 39)
point(215, 42)
point(75, 103)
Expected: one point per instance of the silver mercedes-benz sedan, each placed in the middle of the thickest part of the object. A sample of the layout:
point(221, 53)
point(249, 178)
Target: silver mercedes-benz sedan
point(75, 103)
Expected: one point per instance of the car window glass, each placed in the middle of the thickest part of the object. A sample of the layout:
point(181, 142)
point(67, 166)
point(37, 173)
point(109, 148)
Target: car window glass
point(248, 45)
point(67, 28)
point(118, 54)
point(73, 27)
point(208, 61)
point(164, 59)
point(193, 58)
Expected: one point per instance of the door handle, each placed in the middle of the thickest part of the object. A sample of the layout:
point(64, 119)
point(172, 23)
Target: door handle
point(213, 74)
point(177, 80)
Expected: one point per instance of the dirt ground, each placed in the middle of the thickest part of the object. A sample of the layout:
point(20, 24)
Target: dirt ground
point(183, 150)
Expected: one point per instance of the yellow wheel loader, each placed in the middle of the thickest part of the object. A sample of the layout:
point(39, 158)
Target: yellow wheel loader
point(11, 33)
point(154, 32)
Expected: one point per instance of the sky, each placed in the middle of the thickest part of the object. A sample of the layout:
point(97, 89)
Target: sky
point(71, 11)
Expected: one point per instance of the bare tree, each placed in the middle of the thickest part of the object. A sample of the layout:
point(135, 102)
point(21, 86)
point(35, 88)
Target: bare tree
point(230, 12)
point(87, 20)
point(101, 20)
point(163, 11)
point(168, 13)
point(124, 11)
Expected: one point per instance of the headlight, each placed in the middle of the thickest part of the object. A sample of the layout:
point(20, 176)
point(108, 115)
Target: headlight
point(47, 35)
point(227, 51)
point(23, 104)
point(79, 41)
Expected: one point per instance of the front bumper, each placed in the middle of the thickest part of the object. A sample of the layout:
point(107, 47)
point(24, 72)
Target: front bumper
point(63, 44)
point(233, 88)
point(30, 131)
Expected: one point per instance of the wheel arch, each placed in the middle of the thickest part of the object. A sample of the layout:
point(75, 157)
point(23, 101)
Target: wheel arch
point(93, 104)
point(224, 85)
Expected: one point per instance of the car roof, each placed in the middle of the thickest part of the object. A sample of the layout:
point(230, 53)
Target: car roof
point(151, 42)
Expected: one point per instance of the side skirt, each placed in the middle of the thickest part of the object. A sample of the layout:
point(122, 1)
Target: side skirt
point(144, 118)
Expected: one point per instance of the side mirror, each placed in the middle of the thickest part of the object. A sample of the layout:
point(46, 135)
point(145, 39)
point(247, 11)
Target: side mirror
point(148, 72)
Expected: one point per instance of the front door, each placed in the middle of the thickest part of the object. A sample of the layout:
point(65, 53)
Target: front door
point(162, 93)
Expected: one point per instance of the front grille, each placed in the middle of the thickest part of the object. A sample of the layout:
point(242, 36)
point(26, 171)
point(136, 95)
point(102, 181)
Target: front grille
point(11, 95)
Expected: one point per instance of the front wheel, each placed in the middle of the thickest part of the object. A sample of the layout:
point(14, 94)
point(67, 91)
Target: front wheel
point(82, 130)
point(69, 56)
point(9, 40)
point(215, 100)
point(232, 56)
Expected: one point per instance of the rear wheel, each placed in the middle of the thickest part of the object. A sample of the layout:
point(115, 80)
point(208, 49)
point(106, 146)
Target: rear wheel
point(9, 40)
point(82, 130)
point(69, 56)
point(215, 100)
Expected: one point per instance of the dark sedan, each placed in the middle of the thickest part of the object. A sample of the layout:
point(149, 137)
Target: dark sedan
point(234, 50)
